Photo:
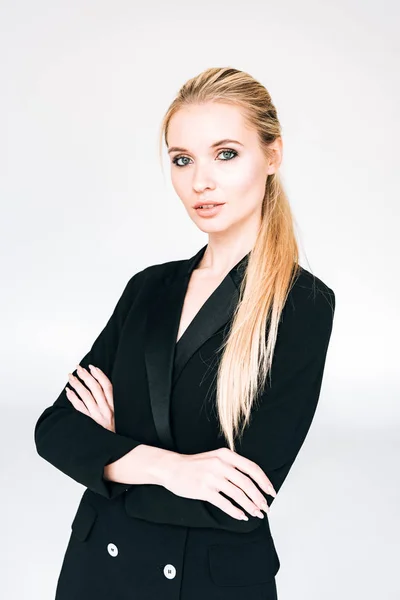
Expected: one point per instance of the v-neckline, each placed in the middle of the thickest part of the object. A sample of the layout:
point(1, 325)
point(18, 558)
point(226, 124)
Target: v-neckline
point(201, 309)
point(165, 357)
point(209, 299)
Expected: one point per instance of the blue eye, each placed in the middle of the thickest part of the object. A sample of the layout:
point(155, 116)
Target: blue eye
point(227, 151)
point(175, 160)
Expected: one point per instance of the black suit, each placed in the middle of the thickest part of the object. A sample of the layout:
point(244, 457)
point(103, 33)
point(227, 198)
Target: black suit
point(142, 541)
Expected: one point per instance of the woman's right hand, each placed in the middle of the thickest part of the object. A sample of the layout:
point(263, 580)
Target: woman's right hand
point(202, 476)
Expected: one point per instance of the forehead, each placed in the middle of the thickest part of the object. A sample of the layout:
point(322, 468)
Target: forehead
point(201, 125)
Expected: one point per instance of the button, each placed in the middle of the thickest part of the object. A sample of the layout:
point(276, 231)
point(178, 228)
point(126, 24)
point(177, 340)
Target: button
point(169, 571)
point(112, 549)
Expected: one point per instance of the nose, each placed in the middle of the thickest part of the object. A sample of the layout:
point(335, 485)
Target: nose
point(202, 178)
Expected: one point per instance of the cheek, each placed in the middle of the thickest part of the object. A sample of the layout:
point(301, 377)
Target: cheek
point(246, 185)
point(181, 186)
point(242, 186)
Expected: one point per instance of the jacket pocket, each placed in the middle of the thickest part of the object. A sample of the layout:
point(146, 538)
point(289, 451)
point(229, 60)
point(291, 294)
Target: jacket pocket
point(243, 563)
point(84, 520)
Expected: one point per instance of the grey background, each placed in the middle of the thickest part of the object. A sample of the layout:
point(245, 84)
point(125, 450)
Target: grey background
point(85, 204)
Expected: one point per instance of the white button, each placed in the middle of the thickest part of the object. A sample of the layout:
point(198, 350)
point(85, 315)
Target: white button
point(112, 549)
point(169, 571)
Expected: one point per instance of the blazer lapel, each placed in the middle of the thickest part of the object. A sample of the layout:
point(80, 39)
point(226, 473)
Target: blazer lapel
point(214, 314)
point(163, 357)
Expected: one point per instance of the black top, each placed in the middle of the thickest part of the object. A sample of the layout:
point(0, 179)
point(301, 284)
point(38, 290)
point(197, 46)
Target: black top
point(164, 392)
point(220, 305)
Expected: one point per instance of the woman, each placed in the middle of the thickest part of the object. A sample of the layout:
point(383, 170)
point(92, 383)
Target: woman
point(186, 415)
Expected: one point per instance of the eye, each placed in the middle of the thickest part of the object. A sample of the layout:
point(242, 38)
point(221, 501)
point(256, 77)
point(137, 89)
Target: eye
point(226, 151)
point(175, 160)
point(229, 152)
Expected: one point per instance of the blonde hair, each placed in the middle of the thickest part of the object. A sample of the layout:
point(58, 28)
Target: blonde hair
point(273, 261)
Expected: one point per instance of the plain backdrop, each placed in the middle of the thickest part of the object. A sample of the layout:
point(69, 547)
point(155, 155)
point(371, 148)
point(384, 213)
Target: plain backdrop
point(85, 204)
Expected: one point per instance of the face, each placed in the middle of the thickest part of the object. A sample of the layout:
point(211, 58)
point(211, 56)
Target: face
point(207, 168)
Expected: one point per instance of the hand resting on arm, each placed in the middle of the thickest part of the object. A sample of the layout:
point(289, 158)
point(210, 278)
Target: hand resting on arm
point(200, 476)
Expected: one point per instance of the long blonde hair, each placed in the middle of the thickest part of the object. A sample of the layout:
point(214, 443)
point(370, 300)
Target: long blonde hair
point(273, 261)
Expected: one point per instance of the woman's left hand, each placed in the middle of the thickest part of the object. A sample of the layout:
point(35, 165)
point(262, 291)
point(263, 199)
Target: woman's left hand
point(98, 403)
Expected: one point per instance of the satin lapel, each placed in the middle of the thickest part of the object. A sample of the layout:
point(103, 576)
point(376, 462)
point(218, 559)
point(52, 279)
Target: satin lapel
point(214, 314)
point(161, 330)
point(162, 323)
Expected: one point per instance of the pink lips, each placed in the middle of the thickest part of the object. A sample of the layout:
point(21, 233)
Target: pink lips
point(209, 212)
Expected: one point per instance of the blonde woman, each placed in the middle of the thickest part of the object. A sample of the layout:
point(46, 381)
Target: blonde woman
point(186, 415)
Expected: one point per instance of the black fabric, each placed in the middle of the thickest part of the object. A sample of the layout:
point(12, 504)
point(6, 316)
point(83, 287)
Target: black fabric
point(164, 395)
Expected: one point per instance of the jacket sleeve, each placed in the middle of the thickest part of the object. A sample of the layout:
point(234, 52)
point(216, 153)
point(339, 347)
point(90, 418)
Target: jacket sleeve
point(73, 442)
point(279, 423)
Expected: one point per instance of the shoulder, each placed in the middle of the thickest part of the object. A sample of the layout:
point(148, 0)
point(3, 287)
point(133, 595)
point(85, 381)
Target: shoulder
point(164, 269)
point(310, 303)
point(312, 290)
point(154, 274)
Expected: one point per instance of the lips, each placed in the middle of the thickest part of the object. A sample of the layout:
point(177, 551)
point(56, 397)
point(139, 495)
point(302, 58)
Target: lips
point(207, 204)
point(209, 210)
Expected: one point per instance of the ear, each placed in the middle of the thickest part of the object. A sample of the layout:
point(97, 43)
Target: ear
point(276, 155)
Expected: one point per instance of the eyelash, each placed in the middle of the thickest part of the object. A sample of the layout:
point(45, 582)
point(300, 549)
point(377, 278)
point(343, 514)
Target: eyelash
point(174, 160)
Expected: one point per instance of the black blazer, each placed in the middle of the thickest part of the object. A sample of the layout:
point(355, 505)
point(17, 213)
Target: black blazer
point(143, 541)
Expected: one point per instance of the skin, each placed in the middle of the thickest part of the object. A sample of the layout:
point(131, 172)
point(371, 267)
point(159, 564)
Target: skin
point(233, 173)
point(216, 174)
point(98, 401)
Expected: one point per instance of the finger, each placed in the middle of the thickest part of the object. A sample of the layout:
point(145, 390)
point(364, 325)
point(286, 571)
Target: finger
point(96, 390)
point(76, 402)
point(247, 485)
point(84, 394)
point(249, 467)
point(235, 484)
point(239, 494)
point(105, 384)
point(224, 504)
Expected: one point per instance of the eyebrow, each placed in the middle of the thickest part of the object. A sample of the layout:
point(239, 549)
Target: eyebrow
point(220, 143)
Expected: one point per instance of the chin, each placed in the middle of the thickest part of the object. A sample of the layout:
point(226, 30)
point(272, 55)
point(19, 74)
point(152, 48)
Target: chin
point(211, 227)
